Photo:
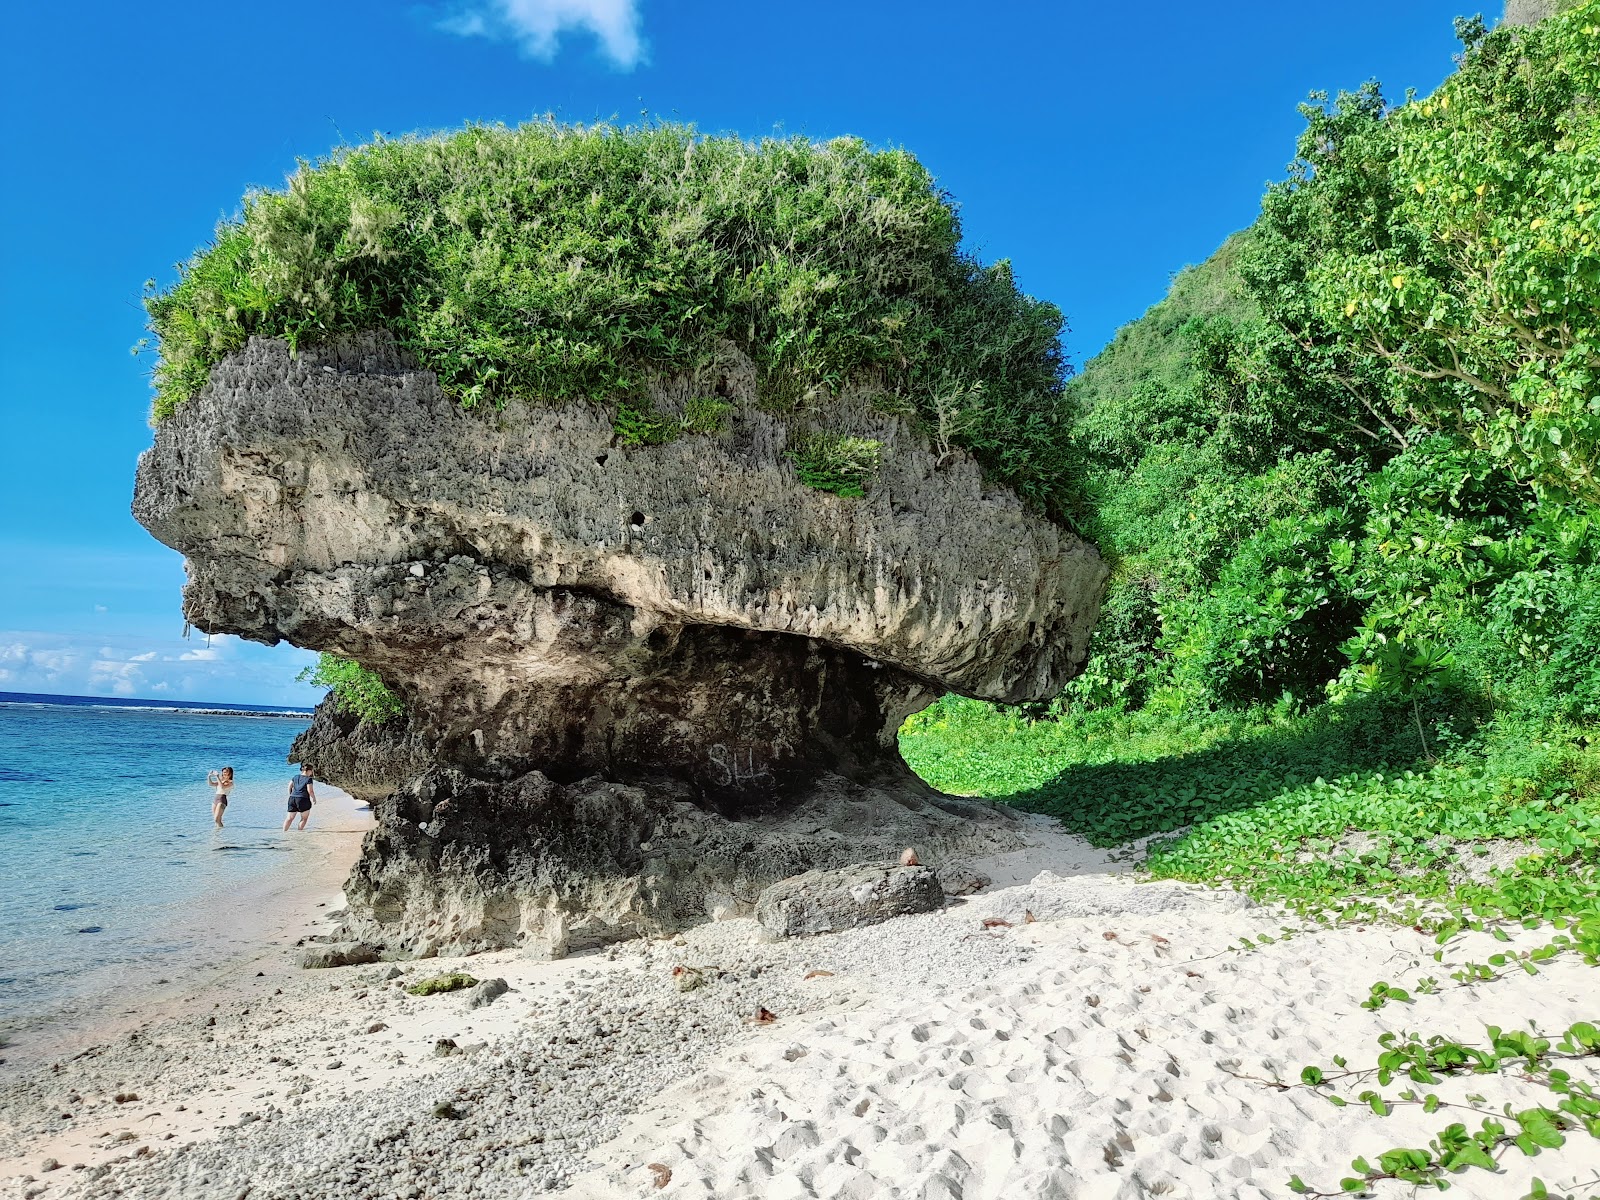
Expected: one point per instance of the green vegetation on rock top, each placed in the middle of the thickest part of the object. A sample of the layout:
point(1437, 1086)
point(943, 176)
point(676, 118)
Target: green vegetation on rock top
point(558, 263)
point(355, 689)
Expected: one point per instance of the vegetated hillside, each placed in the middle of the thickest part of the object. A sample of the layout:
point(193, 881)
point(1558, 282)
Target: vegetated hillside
point(1346, 473)
point(558, 263)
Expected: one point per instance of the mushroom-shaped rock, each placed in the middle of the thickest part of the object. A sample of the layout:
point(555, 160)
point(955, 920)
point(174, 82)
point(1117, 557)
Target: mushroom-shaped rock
point(642, 676)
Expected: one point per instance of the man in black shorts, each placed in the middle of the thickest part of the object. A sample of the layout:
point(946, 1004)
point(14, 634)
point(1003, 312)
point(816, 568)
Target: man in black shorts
point(301, 797)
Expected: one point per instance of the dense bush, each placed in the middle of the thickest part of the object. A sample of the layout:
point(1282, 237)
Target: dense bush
point(1345, 472)
point(561, 263)
point(355, 689)
point(1319, 479)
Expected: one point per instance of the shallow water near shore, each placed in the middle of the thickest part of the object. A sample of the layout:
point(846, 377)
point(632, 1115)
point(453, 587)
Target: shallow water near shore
point(114, 872)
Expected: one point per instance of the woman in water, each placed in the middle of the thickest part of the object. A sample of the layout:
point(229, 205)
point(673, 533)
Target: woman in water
point(301, 797)
point(223, 781)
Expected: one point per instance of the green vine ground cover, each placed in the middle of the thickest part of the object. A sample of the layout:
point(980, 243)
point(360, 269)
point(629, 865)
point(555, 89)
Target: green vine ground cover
point(1268, 800)
point(1341, 814)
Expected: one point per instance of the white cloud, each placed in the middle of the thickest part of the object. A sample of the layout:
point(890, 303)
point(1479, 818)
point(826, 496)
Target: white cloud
point(225, 671)
point(537, 25)
point(51, 665)
point(123, 678)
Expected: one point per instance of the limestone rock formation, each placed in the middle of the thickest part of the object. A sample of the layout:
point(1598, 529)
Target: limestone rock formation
point(605, 648)
point(369, 760)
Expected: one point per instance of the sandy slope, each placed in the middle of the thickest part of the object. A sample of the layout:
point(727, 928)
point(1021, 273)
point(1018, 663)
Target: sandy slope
point(1103, 1068)
point(939, 1058)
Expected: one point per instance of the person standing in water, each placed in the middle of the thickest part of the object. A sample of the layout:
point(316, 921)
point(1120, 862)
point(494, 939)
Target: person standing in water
point(222, 782)
point(301, 797)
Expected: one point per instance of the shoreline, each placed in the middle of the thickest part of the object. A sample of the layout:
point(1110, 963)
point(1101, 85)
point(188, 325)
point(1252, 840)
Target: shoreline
point(1065, 1033)
point(247, 928)
point(150, 705)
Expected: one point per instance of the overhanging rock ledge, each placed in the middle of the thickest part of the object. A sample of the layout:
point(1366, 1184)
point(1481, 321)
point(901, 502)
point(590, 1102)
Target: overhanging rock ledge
point(641, 682)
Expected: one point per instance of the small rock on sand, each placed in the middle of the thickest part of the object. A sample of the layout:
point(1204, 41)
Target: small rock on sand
point(962, 881)
point(846, 898)
point(487, 992)
point(341, 954)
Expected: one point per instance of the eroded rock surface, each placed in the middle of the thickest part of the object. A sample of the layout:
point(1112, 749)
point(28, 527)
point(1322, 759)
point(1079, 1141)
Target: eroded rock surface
point(467, 864)
point(1530, 12)
point(846, 898)
point(340, 955)
point(367, 760)
point(602, 646)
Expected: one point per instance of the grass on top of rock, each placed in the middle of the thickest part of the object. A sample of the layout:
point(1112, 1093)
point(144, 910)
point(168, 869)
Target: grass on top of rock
point(558, 262)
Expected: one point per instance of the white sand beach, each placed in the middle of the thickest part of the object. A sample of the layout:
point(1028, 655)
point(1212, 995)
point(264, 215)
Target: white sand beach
point(1112, 1046)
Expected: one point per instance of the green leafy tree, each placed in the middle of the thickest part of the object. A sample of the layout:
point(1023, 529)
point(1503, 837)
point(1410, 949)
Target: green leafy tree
point(1466, 260)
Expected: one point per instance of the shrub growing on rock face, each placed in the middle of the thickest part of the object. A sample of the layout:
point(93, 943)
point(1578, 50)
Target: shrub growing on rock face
point(356, 690)
point(562, 263)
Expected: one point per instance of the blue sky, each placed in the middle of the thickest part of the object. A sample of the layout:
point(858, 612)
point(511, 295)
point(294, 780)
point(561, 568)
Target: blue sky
point(1098, 146)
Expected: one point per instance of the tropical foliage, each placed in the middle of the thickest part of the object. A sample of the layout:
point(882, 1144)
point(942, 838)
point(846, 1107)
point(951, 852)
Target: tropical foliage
point(355, 689)
point(1345, 474)
point(1352, 453)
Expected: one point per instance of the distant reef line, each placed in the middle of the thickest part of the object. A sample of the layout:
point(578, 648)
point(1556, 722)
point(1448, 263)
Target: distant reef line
point(132, 704)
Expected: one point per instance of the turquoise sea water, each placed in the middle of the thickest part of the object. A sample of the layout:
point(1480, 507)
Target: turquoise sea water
point(108, 855)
